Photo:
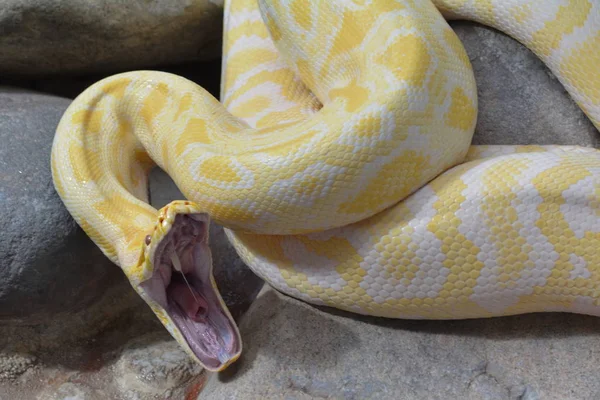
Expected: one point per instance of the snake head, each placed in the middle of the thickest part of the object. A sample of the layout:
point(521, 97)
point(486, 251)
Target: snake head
point(179, 286)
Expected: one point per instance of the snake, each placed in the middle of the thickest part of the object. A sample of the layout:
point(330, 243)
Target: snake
point(339, 161)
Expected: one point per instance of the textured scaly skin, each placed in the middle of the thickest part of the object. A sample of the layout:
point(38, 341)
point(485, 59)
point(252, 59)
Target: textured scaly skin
point(340, 161)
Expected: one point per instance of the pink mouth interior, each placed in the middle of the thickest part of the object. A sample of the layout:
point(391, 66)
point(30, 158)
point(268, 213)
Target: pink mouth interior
point(192, 303)
point(194, 306)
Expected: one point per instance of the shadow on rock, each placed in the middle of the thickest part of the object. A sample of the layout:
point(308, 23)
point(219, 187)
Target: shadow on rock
point(273, 324)
point(297, 350)
point(532, 325)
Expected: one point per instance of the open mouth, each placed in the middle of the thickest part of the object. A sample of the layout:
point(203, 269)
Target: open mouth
point(182, 285)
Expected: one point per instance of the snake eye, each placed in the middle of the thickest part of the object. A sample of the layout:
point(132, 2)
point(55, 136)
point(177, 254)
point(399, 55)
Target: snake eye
point(147, 240)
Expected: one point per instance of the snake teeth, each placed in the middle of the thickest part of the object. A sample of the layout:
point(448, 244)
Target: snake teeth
point(181, 286)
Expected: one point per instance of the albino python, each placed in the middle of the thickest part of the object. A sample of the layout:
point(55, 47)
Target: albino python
point(339, 162)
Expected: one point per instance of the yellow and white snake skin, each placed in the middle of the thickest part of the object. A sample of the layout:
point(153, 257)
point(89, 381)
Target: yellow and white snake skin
point(339, 162)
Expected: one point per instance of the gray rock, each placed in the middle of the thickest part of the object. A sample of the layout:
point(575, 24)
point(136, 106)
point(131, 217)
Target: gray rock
point(296, 351)
point(114, 349)
point(14, 365)
point(67, 36)
point(48, 264)
point(72, 391)
point(152, 366)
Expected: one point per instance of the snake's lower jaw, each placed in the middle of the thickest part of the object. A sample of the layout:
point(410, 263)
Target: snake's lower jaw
point(183, 288)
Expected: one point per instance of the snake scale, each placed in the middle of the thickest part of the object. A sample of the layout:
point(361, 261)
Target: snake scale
point(339, 161)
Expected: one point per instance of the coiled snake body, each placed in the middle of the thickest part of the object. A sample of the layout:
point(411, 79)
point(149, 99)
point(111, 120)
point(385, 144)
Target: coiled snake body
point(340, 164)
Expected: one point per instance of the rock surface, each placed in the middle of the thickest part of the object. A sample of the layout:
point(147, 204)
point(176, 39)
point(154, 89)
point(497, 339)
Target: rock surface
point(296, 351)
point(48, 265)
point(149, 366)
point(69, 36)
point(115, 349)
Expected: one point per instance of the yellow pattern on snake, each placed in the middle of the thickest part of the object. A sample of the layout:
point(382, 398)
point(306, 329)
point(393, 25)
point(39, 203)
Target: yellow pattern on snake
point(339, 162)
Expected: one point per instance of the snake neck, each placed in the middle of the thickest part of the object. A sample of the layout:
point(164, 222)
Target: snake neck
point(100, 171)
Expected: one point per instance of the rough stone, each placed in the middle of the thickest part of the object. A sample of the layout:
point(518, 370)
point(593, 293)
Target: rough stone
point(72, 353)
point(69, 36)
point(48, 264)
point(296, 351)
point(72, 391)
point(154, 366)
point(115, 349)
point(14, 365)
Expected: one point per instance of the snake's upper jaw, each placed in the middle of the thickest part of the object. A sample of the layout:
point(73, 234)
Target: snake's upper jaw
point(185, 295)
